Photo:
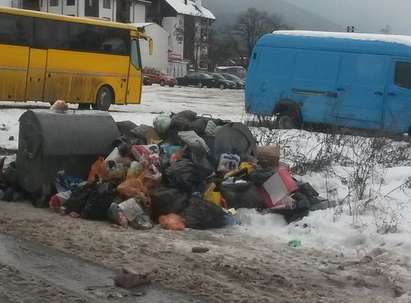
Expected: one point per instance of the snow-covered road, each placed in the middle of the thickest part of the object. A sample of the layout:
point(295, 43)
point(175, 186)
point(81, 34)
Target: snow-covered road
point(227, 104)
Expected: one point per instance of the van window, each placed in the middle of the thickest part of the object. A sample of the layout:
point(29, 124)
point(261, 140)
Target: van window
point(403, 74)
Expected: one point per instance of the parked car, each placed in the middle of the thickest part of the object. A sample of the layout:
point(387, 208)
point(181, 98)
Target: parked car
point(343, 79)
point(221, 82)
point(239, 84)
point(162, 79)
point(197, 79)
point(147, 80)
point(238, 71)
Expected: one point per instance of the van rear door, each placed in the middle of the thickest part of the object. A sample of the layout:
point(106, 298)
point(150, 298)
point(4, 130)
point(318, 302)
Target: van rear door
point(361, 90)
point(397, 115)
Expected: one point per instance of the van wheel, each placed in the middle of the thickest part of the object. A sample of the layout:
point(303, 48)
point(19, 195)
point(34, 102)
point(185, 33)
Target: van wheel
point(285, 122)
point(162, 83)
point(200, 85)
point(222, 86)
point(104, 99)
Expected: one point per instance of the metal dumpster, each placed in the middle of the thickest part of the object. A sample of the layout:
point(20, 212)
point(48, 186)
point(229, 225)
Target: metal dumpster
point(50, 142)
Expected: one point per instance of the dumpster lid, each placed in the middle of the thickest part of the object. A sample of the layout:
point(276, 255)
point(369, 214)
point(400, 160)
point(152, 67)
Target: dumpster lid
point(72, 132)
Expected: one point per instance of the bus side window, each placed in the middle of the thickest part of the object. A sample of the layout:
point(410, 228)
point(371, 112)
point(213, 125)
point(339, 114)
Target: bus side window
point(16, 30)
point(44, 29)
point(403, 74)
point(135, 54)
point(99, 39)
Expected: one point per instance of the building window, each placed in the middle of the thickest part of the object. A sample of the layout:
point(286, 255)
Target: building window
point(54, 2)
point(107, 4)
point(71, 2)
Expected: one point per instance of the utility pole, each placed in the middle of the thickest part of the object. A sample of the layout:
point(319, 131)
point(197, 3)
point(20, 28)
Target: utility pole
point(350, 29)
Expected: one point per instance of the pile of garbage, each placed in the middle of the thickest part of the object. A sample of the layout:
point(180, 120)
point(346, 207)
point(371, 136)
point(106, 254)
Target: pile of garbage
point(185, 171)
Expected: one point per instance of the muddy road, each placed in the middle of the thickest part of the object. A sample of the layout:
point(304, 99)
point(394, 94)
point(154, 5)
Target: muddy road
point(33, 273)
point(238, 267)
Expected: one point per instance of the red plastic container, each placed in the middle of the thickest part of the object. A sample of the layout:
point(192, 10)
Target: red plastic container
point(276, 190)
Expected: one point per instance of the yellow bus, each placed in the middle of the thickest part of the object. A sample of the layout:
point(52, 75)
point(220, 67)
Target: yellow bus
point(46, 57)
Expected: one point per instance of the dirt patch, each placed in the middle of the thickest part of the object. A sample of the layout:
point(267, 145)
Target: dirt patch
point(237, 268)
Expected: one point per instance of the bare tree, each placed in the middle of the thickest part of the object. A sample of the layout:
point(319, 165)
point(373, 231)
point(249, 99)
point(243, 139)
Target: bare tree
point(252, 24)
point(387, 29)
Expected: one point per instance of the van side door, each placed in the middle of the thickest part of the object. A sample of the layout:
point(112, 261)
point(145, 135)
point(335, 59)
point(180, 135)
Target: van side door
point(361, 90)
point(397, 114)
point(314, 82)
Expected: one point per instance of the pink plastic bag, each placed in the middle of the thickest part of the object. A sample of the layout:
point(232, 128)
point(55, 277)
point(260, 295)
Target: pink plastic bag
point(276, 190)
point(146, 154)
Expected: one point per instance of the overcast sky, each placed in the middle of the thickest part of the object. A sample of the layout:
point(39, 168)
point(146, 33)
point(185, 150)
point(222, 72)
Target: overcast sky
point(367, 15)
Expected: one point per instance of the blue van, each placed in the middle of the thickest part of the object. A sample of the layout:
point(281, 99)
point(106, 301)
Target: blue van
point(344, 79)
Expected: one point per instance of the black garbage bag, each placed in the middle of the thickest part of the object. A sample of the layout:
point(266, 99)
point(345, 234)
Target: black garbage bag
point(78, 198)
point(201, 214)
point(91, 200)
point(235, 138)
point(301, 209)
point(145, 133)
point(166, 201)
point(242, 195)
point(99, 201)
point(182, 120)
point(199, 125)
point(184, 175)
point(308, 190)
point(260, 176)
point(125, 127)
point(203, 164)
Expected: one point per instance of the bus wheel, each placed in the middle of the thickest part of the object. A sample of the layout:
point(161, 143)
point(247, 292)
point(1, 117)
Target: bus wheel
point(104, 99)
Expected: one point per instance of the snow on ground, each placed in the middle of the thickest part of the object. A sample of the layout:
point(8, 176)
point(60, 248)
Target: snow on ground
point(225, 104)
point(334, 229)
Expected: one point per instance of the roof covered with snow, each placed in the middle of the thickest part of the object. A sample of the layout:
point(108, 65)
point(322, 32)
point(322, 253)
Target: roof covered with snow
point(191, 8)
point(400, 39)
point(392, 45)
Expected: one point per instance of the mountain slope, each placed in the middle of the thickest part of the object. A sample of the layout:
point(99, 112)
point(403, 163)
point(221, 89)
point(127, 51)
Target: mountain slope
point(226, 12)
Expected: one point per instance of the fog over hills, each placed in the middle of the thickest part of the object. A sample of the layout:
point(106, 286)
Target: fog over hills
point(331, 15)
point(227, 10)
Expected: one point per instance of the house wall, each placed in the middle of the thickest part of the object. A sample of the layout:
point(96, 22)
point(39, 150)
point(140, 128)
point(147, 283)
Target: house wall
point(78, 8)
point(5, 2)
point(106, 13)
point(137, 12)
point(159, 59)
point(52, 9)
point(175, 27)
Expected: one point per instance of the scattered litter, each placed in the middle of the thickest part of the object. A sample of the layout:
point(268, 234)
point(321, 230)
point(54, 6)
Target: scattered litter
point(200, 250)
point(129, 279)
point(294, 243)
